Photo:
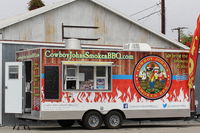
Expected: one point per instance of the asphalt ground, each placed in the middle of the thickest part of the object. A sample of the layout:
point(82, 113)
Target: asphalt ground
point(191, 126)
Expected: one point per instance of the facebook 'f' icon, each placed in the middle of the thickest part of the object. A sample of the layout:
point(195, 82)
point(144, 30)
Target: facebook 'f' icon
point(125, 105)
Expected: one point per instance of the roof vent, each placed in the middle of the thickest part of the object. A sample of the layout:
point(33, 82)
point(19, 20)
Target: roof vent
point(137, 47)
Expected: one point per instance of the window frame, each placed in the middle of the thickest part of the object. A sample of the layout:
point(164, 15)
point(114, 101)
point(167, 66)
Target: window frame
point(100, 77)
point(78, 64)
point(69, 78)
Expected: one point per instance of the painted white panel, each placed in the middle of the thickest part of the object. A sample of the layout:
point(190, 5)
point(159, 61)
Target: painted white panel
point(13, 87)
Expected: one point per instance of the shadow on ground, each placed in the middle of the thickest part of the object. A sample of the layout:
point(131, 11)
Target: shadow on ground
point(127, 125)
point(103, 127)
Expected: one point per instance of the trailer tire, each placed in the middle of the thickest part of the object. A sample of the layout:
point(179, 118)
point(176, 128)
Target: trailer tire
point(113, 120)
point(65, 123)
point(92, 120)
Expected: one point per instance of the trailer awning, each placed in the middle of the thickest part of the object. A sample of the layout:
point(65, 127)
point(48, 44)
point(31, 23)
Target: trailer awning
point(87, 63)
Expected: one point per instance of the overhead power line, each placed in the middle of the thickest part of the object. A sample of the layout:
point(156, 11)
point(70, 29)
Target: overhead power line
point(149, 15)
point(179, 29)
point(145, 9)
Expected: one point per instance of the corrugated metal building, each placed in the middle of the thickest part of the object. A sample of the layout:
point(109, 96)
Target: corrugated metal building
point(7, 54)
point(45, 24)
point(91, 20)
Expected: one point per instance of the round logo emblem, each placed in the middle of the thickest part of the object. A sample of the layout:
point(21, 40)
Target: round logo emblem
point(152, 77)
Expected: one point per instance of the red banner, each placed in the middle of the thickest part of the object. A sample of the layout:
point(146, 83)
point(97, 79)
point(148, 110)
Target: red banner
point(194, 49)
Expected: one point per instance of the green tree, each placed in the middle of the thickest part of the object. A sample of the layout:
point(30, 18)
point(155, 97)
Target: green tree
point(34, 4)
point(186, 39)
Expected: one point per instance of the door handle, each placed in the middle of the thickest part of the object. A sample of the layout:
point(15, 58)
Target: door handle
point(6, 87)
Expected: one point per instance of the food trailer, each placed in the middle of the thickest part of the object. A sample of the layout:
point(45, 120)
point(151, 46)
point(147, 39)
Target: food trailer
point(95, 86)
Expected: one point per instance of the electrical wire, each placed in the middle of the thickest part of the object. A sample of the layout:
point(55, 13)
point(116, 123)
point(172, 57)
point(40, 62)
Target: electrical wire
point(145, 9)
point(148, 15)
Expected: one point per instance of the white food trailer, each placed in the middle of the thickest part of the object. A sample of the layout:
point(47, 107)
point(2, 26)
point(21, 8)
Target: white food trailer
point(94, 86)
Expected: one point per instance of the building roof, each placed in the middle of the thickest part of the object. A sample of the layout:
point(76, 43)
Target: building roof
point(8, 22)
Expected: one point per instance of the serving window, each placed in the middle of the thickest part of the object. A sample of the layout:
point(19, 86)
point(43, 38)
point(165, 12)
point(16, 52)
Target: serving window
point(86, 76)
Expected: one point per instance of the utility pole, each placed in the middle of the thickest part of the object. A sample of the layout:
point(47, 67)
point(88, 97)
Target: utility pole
point(179, 29)
point(163, 16)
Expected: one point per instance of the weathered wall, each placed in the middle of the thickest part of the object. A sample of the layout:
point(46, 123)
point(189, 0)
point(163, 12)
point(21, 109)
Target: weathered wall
point(8, 55)
point(113, 28)
point(197, 85)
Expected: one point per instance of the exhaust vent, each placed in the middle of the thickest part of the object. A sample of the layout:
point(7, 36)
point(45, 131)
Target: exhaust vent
point(73, 44)
point(137, 47)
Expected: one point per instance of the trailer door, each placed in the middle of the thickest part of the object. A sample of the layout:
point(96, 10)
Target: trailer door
point(13, 87)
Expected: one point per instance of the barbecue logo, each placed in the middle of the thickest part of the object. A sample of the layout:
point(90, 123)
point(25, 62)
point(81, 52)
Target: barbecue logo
point(152, 77)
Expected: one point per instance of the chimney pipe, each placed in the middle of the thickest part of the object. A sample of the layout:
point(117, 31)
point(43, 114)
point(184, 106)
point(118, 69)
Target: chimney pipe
point(73, 44)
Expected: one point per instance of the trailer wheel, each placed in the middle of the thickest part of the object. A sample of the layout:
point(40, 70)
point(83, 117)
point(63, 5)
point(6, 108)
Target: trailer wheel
point(113, 120)
point(65, 123)
point(92, 120)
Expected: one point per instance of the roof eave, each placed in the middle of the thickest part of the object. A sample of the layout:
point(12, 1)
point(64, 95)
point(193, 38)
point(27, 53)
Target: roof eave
point(33, 13)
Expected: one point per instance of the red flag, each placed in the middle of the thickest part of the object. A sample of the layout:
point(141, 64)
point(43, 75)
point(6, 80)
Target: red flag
point(193, 55)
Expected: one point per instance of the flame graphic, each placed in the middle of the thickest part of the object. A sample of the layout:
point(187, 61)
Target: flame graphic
point(124, 93)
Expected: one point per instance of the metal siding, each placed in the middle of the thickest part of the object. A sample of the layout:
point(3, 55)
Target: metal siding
point(197, 85)
point(1, 110)
point(131, 114)
point(8, 54)
point(37, 28)
point(29, 30)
